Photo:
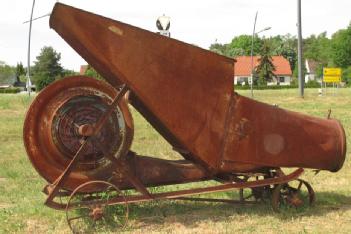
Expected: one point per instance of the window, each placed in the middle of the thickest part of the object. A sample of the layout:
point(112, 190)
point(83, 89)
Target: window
point(281, 79)
point(242, 80)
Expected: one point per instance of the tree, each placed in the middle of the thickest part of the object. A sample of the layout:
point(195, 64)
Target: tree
point(7, 73)
point(67, 72)
point(318, 49)
point(265, 68)
point(20, 72)
point(219, 48)
point(91, 72)
point(239, 46)
point(341, 47)
point(346, 75)
point(285, 46)
point(47, 68)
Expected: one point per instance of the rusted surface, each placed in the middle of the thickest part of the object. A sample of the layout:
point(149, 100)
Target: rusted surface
point(265, 135)
point(186, 94)
point(51, 130)
point(78, 131)
point(184, 89)
point(197, 191)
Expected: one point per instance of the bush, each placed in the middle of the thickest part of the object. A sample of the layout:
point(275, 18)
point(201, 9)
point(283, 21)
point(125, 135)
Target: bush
point(247, 87)
point(10, 90)
point(346, 75)
point(42, 80)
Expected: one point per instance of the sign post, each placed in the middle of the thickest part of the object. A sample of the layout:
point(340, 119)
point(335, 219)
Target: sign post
point(331, 75)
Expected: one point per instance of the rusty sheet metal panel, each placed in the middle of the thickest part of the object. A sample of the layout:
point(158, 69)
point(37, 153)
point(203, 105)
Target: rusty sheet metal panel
point(154, 171)
point(187, 94)
point(265, 135)
point(187, 88)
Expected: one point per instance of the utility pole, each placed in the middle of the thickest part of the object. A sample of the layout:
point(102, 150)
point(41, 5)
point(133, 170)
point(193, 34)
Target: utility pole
point(299, 51)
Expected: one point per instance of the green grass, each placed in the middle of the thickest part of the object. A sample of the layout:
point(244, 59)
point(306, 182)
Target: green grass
point(21, 200)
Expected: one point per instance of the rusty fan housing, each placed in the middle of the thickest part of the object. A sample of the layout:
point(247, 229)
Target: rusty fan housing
point(58, 120)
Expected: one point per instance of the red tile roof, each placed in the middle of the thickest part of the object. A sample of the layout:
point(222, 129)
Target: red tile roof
point(243, 65)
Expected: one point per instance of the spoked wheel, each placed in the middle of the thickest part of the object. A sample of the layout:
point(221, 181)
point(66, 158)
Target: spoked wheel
point(88, 213)
point(297, 193)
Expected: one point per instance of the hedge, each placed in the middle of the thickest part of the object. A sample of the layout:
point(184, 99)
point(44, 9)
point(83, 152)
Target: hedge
point(10, 90)
point(247, 87)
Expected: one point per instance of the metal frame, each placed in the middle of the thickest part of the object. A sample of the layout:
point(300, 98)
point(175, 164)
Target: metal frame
point(54, 190)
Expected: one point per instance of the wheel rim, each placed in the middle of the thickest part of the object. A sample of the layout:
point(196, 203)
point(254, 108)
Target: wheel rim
point(92, 213)
point(295, 194)
point(59, 116)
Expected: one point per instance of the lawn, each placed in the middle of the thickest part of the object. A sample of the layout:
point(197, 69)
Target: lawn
point(21, 200)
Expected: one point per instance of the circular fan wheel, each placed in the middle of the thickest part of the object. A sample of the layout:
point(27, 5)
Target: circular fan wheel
point(61, 116)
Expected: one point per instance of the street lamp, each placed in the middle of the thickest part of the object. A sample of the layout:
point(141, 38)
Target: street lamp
point(31, 19)
point(252, 42)
point(29, 83)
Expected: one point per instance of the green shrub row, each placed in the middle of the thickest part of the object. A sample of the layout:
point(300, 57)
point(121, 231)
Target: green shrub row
point(10, 90)
point(246, 87)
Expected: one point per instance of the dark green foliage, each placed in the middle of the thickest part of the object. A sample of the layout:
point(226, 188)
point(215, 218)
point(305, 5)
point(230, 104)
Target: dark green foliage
point(334, 52)
point(314, 84)
point(91, 72)
point(240, 45)
point(67, 72)
point(6, 70)
point(285, 46)
point(265, 68)
point(318, 48)
point(346, 75)
point(47, 68)
point(10, 90)
point(341, 47)
point(20, 71)
point(219, 48)
point(7, 74)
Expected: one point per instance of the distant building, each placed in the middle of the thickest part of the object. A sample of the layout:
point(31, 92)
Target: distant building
point(242, 70)
point(7, 81)
point(10, 80)
point(83, 69)
point(311, 67)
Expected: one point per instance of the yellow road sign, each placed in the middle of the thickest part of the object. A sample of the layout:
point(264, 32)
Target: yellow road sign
point(331, 75)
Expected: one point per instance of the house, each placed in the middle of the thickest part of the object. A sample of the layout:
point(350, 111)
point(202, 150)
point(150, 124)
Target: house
point(11, 80)
point(242, 70)
point(83, 69)
point(7, 80)
point(311, 67)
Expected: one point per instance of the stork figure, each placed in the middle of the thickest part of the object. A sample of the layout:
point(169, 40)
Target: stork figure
point(163, 24)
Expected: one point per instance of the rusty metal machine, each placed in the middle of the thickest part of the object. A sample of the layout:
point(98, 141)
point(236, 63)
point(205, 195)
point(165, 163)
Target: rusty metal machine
point(78, 131)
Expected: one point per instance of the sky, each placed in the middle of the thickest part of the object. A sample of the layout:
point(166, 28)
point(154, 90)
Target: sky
point(200, 22)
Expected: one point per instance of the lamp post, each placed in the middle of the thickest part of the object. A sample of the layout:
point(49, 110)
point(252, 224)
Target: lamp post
point(252, 43)
point(29, 83)
point(31, 19)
